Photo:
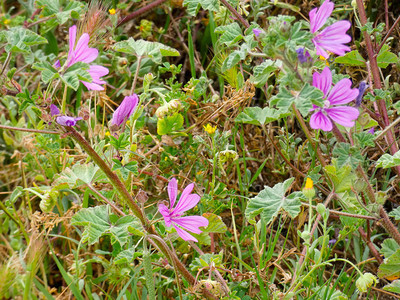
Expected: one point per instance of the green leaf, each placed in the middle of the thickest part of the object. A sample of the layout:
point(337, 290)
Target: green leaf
point(215, 224)
point(231, 34)
point(394, 287)
point(80, 174)
point(395, 214)
point(388, 161)
point(391, 266)
point(303, 100)
point(262, 72)
point(153, 50)
point(347, 155)
point(59, 10)
point(352, 58)
point(48, 71)
point(20, 40)
point(98, 222)
point(257, 115)
point(75, 73)
point(365, 139)
point(194, 5)
point(342, 178)
point(388, 247)
point(234, 57)
point(169, 124)
point(270, 201)
point(385, 57)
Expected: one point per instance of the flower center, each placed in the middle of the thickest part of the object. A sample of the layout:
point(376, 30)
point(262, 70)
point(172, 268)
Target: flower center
point(327, 104)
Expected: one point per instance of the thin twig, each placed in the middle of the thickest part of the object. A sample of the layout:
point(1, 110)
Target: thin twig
point(140, 12)
point(28, 130)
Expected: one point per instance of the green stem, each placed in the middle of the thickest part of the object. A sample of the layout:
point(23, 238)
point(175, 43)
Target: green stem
point(8, 59)
point(139, 61)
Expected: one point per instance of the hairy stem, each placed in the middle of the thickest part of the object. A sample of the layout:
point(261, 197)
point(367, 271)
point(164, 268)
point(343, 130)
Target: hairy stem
point(140, 11)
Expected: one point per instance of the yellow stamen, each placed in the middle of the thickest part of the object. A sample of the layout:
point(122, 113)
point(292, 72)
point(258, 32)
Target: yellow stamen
point(112, 11)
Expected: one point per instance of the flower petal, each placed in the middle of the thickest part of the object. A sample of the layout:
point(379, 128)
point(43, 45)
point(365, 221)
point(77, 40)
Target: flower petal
point(323, 81)
point(54, 110)
point(181, 203)
point(186, 203)
point(67, 121)
point(191, 223)
point(96, 72)
point(172, 191)
point(72, 38)
point(332, 39)
point(343, 115)
point(342, 93)
point(123, 112)
point(320, 121)
point(83, 52)
point(184, 235)
point(318, 16)
point(164, 211)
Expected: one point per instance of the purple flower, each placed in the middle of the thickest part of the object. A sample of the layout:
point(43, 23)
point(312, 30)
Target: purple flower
point(341, 93)
point(361, 89)
point(57, 64)
point(81, 52)
point(372, 130)
point(303, 55)
point(96, 72)
point(125, 109)
point(173, 215)
point(257, 32)
point(333, 37)
point(63, 120)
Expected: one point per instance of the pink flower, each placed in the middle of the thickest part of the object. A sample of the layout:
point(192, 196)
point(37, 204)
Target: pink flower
point(341, 93)
point(333, 37)
point(83, 53)
point(125, 110)
point(63, 120)
point(173, 215)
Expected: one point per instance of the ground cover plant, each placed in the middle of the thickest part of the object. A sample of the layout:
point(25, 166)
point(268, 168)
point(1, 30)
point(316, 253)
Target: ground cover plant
point(241, 149)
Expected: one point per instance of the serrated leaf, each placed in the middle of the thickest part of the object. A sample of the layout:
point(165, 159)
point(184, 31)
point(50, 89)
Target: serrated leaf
point(394, 287)
point(215, 224)
point(234, 57)
point(388, 161)
point(347, 155)
point(391, 266)
point(194, 5)
point(20, 39)
point(258, 115)
point(80, 174)
point(262, 72)
point(342, 178)
point(75, 73)
point(395, 214)
point(231, 34)
point(365, 139)
point(352, 58)
point(48, 71)
point(169, 124)
point(385, 57)
point(59, 10)
point(153, 50)
point(270, 201)
point(388, 247)
point(303, 100)
point(98, 221)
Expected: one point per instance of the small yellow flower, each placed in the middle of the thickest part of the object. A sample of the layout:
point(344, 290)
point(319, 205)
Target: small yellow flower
point(112, 11)
point(209, 129)
point(309, 183)
point(7, 21)
point(308, 190)
point(108, 133)
point(323, 58)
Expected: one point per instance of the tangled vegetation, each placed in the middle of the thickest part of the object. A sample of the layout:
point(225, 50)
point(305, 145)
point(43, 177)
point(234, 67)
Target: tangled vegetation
point(199, 149)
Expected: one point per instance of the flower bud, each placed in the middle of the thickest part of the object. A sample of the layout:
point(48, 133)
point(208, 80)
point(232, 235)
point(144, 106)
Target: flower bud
point(125, 110)
point(308, 190)
point(365, 281)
